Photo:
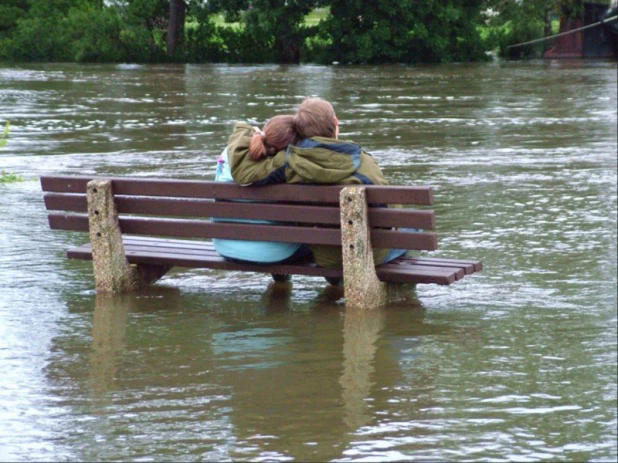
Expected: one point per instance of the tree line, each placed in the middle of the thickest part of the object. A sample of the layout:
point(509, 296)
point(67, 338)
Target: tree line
point(272, 31)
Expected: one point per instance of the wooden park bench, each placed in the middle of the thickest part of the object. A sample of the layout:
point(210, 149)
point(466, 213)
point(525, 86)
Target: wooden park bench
point(140, 228)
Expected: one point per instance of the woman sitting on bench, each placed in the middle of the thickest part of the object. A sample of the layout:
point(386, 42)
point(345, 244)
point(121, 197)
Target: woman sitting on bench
point(259, 149)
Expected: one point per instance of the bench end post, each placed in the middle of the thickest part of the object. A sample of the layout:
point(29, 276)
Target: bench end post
point(362, 288)
point(112, 271)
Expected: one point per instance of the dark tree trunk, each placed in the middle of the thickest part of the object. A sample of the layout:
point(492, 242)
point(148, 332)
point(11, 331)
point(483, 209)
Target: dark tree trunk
point(176, 27)
point(547, 21)
point(287, 47)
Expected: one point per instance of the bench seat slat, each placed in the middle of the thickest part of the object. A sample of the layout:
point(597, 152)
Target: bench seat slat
point(202, 255)
point(140, 243)
point(183, 228)
point(471, 266)
point(378, 217)
point(214, 262)
point(419, 274)
point(468, 268)
point(380, 194)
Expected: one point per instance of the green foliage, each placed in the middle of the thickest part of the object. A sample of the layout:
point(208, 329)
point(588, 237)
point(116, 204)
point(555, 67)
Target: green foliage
point(96, 37)
point(316, 47)
point(238, 46)
point(8, 177)
point(42, 38)
point(518, 22)
point(278, 26)
point(404, 31)
point(263, 31)
point(143, 34)
point(207, 38)
point(316, 16)
point(41, 32)
point(220, 44)
point(147, 10)
point(10, 12)
point(5, 135)
point(283, 31)
point(86, 30)
point(106, 37)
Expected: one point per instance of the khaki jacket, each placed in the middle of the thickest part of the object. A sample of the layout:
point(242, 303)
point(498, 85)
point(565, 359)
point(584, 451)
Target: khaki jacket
point(330, 161)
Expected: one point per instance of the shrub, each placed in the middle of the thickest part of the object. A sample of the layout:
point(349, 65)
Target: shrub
point(41, 39)
point(96, 37)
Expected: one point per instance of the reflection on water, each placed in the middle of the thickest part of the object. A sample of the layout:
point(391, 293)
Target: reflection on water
point(245, 375)
point(361, 330)
point(515, 363)
point(108, 340)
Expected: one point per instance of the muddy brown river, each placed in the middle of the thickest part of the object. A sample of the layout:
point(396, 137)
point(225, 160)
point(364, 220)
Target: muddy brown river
point(517, 363)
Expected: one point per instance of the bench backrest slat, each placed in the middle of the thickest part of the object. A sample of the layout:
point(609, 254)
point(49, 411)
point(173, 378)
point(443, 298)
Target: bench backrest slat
point(378, 217)
point(307, 214)
point(202, 229)
point(215, 190)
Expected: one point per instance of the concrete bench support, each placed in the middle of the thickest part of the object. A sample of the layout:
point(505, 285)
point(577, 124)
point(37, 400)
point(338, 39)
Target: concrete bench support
point(363, 289)
point(112, 271)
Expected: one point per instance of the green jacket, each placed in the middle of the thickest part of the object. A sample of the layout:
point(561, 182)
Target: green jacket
point(316, 160)
point(245, 170)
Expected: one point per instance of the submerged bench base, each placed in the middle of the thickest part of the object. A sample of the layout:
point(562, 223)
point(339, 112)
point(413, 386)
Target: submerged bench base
point(158, 252)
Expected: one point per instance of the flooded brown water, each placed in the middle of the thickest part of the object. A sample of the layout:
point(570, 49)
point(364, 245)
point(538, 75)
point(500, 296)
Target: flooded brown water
point(517, 363)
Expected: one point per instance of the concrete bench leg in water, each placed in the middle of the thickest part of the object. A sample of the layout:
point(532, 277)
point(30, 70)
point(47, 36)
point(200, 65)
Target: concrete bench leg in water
point(112, 271)
point(362, 287)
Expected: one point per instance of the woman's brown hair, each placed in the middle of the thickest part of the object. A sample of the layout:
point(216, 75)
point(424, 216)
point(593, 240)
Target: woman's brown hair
point(279, 132)
point(316, 117)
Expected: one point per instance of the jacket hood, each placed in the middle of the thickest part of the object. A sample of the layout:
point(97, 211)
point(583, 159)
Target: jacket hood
point(324, 160)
